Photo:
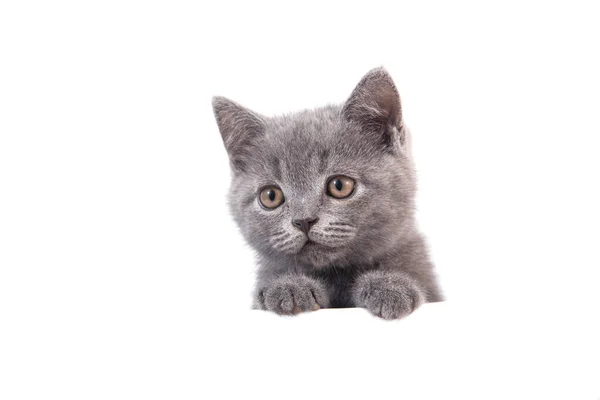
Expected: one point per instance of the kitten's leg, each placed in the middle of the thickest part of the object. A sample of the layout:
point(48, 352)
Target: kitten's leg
point(291, 294)
point(387, 294)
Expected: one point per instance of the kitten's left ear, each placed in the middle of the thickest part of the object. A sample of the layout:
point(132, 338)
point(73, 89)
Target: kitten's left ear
point(375, 105)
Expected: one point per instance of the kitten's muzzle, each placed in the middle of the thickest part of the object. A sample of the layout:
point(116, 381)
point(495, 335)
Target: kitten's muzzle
point(304, 224)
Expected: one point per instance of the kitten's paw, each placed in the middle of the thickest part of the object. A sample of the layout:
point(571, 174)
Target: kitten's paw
point(291, 294)
point(387, 295)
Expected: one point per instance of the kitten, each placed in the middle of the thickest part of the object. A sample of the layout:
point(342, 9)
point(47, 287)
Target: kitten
point(326, 198)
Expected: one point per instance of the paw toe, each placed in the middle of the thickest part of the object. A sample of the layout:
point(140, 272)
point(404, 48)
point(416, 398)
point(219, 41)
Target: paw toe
point(291, 296)
point(393, 310)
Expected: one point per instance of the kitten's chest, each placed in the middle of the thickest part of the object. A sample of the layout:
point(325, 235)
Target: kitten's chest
point(339, 281)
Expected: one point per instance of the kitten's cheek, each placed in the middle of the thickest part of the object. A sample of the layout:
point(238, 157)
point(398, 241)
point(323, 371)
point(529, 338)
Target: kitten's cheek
point(286, 242)
point(334, 239)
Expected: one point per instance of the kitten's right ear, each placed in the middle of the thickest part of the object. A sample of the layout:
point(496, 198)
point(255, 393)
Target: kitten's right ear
point(238, 127)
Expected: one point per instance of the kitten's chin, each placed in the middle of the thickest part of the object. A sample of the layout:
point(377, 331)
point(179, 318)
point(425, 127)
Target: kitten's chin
point(318, 255)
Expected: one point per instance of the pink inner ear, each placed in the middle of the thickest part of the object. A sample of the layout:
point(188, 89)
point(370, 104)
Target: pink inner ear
point(375, 100)
point(387, 102)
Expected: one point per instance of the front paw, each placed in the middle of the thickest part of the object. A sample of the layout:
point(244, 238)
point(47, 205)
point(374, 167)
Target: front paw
point(387, 295)
point(291, 294)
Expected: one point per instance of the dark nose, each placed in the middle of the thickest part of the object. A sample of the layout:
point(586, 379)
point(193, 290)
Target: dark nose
point(304, 224)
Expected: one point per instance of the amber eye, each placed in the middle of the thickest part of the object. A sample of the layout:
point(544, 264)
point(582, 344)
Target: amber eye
point(340, 186)
point(271, 197)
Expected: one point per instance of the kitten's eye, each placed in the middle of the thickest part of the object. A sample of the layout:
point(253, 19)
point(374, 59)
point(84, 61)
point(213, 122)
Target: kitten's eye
point(340, 186)
point(271, 197)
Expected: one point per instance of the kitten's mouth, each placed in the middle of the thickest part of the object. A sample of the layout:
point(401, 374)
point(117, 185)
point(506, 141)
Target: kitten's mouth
point(312, 245)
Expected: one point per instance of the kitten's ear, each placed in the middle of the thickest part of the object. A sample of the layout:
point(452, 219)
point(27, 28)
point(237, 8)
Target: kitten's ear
point(375, 104)
point(238, 126)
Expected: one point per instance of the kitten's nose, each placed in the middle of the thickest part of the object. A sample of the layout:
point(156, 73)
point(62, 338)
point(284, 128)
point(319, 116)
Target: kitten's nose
point(304, 224)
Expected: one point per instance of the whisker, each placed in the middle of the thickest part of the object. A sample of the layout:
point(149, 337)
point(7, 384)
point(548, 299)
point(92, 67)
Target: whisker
point(286, 248)
point(279, 234)
point(284, 244)
point(279, 237)
point(340, 224)
point(329, 229)
point(280, 243)
point(332, 235)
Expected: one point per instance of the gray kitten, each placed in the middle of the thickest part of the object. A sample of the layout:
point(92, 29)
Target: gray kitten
point(326, 198)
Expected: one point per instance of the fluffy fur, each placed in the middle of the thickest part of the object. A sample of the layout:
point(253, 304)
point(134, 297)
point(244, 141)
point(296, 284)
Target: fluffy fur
point(363, 251)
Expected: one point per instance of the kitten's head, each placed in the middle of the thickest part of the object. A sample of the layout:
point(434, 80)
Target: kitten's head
point(329, 186)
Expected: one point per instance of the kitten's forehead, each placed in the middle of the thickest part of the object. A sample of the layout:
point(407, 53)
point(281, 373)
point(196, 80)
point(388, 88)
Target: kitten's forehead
point(307, 143)
point(309, 127)
point(299, 145)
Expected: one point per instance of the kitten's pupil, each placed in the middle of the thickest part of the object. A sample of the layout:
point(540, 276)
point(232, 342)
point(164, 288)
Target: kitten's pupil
point(338, 184)
point(271, 195)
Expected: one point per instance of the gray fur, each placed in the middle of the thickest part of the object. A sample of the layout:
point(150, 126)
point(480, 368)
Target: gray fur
point(365, 250)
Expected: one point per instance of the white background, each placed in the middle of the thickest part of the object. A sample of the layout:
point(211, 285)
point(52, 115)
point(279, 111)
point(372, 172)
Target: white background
point(122, 275)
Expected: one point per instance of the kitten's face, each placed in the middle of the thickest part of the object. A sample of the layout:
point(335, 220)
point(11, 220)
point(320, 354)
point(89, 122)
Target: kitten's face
point(319, 186)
